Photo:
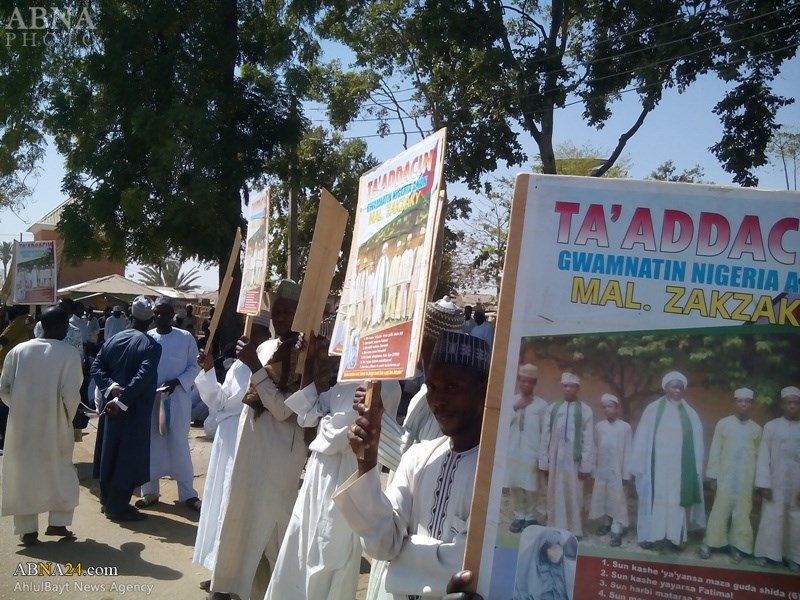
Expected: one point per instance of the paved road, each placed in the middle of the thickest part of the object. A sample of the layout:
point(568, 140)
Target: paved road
point(152, 558)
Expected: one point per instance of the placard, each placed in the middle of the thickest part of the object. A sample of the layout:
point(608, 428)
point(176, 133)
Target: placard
point(34, 272)
point(656, 304)
point(389, 265)
point(254, 269)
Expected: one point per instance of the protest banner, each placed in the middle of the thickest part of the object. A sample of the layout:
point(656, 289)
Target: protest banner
point(34, 272)
point(254, 269)
point(389, 265)
point(664, 307)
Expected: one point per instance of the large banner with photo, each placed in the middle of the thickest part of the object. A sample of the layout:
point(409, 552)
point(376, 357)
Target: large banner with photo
point(642, 428)
point(380, 328)
point(34, 272)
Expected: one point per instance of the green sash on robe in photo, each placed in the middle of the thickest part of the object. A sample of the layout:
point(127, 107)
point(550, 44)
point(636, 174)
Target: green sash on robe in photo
point(690, 487)
point(577, 442)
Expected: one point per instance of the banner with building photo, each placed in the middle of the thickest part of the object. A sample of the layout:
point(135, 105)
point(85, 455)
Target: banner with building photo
point(390, 261)
point(34, 272)
point(643, 395)
point(254, 269)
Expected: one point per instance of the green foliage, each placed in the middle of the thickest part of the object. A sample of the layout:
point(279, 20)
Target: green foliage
point(584, 161)
point(784, 152)
point(667, 171)
point(492, 71)
point(169, 273)
point(322, 160)
point(632, 365)
point(6, 254)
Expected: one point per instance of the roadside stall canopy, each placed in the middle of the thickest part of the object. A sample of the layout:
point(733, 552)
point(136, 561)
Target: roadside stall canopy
point(108, 289)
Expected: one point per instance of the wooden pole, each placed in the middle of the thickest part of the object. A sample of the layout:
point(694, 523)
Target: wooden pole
point(224, 288)
point(372, 386)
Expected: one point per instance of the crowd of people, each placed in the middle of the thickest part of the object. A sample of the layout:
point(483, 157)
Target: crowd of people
point(258, 534)
point(555, 448)
point(274, 424)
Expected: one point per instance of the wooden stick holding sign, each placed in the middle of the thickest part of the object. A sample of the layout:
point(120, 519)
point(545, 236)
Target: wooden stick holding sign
point(373, 393)
point(224, 288)
point(320, 269)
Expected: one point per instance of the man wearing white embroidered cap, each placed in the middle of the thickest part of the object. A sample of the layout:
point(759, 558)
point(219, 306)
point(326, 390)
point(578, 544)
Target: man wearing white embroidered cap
point(778, 481)
point(522, 469)
point(566, 455)
point(732, 470)
point(613, 442)
point(668, 466)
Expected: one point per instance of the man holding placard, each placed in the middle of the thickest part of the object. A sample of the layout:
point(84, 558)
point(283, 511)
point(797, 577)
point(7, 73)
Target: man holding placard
point(420, 523)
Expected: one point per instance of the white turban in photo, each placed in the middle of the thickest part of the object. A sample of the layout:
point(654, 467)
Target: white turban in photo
point(674, 376)
point(570, 378)
point(609, 398)
point(528, 370)
point(790, 391)
point(744, 394)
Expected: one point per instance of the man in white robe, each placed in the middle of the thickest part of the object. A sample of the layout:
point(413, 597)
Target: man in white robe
point(380, 287)
point(172, 410)
point(612, 470)
point(778, 481)
point(40, 384)
point(566, 456)
point(419, 524)
point(525, 434)
point(404, 280)
point(731, 471)
point(114, 323)
point(269, 457)
point(393, 282)
point(669, 480)
point(225, 406)
point(320, 555)
point(420, 425)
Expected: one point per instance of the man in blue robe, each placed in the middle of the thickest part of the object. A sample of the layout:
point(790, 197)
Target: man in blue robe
point(126, 374)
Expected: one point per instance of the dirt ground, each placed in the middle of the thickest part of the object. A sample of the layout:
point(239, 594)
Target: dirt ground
point(149, 559)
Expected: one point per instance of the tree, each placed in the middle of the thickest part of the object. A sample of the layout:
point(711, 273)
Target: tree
point(6, 253)
point(493, 70)
point(164, 118)
point(632, 365)
point(667, 171)
point(170, 273)
point(784, 149)
point(321, 160)
point(585, 161)
point(483, 241)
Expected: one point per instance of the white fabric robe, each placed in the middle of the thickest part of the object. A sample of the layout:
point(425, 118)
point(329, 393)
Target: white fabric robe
point(320, 555)
point(416, 525)
point(224, 407)
point(169, 454)
point(778, 469)
point(113, 326)
point(524, 437)
point(380, 288)
point(40, 384)
point(613, 444)
point(556, 456)
point(661, 515)
point(270, 453)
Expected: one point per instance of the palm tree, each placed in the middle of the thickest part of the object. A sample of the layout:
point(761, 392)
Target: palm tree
point(168, 274)
point(6, 252)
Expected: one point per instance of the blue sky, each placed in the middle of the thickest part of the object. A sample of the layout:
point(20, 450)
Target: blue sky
point(682, 128)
